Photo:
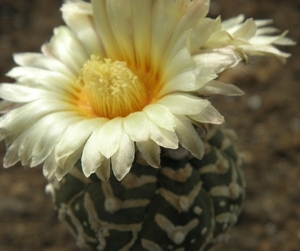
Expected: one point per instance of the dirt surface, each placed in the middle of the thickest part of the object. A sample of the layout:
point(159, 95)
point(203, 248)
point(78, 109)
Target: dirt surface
point(266, 118)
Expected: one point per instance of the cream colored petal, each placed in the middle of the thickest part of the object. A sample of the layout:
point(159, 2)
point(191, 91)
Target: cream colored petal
point(109, 137)
point(78, 16)
point(184, 104)
point(163, 137)
point(266, 31)
point(150, 151)
point(165, 16)
point(104, 30)
point(221, 39)
point(21, 118)
point(46, 143)
point(23, 94)
point(49, 166)
point(12, 156)
point(52, 80)
point(265, 50)
point(40, 61)
point(178, 60)
point(193, 11)
point(119, 14)
point(265, 40)
point(218, 59)
point(34, 133)
point(141, 26)
point(77, 7)
point(75, 137)
point(91, 157)
point(200, 33)
point(208, 114)
point(121, 161)
point(233, 22)
point(263, 22)
point(182, 82)
point(136, 126)
point(284, 40)
point(103, 172)
point(247, 30)
point(188, 137)
point(7, 106)
point(68, 49)
point(18, 93)
point(216, 87)
point(161, 116)
point(204, 76)
point(68, 164)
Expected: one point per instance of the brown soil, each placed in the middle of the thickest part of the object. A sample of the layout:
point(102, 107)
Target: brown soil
point(266, 118)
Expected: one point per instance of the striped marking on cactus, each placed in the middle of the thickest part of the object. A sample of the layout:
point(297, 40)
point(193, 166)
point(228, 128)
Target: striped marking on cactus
point(102, 228)
point(176, 233)
point(113, 204)
point(182, 203)
point(81, 236)
point(233, 190)
point(151, 245)
point(132, 181)
point(180, 175)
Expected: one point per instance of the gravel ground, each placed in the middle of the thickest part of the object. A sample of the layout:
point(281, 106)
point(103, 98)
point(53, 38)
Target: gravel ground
point(266, 118)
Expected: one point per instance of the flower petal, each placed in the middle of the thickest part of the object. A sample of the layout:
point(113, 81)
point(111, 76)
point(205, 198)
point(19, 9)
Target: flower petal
point(122, 160)
point(104, 29)
point(161, 116)
point(174, 102)
point(18, 93)
point(34, 133)
point(68, 49)
point(163, 137)
point(75, 137)
point(109, 137)
point(78, 16)
point(141, 31)
point(52, 80)
point(247, 30)
point(203, 27)
point(218, 59)
point(136, 126)
point(219, 88)
point(46, 143)
point(188, 137)
point(41, 61)
point(50, 166)
point(91, 157)
point(150, 151)
point(208, 114)
point(21, 118)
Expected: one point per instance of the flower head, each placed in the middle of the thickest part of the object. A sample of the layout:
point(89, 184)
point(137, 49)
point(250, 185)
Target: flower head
point(121, 76)
point(251, 37)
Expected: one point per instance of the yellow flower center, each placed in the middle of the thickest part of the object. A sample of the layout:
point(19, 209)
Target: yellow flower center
point(111, 89)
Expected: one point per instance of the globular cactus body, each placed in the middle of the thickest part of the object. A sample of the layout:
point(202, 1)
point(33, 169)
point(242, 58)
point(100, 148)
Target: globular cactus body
point(186, 205)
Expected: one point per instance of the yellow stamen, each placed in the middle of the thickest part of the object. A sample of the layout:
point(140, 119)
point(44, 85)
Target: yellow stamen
point(111, 89)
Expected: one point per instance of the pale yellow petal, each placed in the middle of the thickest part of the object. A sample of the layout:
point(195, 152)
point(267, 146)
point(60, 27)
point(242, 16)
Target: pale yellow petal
point(121, 161)
point(109, 137)
point(150, 151)
point(136, 126)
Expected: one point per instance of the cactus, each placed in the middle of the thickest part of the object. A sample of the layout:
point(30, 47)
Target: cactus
point(120, 92)
point(187, 204)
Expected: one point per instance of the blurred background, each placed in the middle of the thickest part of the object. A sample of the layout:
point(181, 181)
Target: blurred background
point(266, 119)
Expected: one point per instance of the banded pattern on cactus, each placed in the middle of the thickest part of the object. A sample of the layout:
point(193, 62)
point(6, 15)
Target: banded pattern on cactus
point(187, 204)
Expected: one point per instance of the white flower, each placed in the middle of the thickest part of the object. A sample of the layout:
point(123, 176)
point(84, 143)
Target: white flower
point(251, 37)
point(121, 75)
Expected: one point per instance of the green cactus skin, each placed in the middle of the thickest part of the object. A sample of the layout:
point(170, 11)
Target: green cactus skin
point(186, 205)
